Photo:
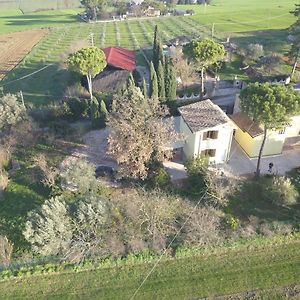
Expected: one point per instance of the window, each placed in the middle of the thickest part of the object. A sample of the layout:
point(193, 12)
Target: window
point(210, 135)
point(209, 153)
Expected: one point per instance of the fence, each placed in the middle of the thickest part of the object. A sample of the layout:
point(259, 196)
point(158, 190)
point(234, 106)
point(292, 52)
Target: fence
point(36, 5)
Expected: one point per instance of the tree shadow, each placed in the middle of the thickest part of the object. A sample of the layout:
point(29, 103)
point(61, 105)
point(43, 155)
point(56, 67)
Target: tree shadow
point(42, 88)
point(248, 200)
point(273, 40)
point(42, 19)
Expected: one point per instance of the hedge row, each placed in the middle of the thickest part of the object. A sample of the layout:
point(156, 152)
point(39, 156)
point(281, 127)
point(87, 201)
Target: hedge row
point(146, 257)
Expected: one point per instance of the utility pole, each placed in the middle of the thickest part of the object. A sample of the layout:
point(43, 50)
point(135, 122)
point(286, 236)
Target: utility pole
point(92, 38)
point(213, 30)
point(22, 99)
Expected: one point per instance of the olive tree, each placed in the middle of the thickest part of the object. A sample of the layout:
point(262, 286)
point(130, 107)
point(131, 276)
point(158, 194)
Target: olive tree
point(88, 62)
point(72, 228)
point(269, 105)
point(79, 176)
point(90, 228)
point(49, 228)
point(12, 111)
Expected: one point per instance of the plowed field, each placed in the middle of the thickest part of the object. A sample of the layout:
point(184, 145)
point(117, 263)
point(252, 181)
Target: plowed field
point(15, 46)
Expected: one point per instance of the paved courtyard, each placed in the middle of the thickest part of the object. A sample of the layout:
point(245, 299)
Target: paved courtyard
point(240, 164)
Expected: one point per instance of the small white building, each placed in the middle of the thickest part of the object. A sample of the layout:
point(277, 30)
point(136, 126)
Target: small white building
point(208, 131)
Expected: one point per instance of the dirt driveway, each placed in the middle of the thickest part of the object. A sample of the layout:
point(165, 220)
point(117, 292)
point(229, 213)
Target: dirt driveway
point(94, 149)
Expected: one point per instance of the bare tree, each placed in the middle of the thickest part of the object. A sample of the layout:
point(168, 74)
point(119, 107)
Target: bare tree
point(49, 173)
point(139, 133)
point(203, 227)
point(90, 227)
point(150, 218)
point(6, 249)
point(184, 70)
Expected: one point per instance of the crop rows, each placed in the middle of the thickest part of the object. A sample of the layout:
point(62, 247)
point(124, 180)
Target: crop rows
point(131, 34)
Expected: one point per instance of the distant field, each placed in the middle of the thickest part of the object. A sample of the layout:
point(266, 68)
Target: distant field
point(245, 21)
point(14, 46)
point(13, 20)
point(242, 15)
point(49, 84)
point(235, 271)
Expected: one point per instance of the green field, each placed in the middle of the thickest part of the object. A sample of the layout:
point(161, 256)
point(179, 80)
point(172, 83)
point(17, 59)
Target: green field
point(226, 272)
point(246, 22)
point(13, 20)
point(242, 16)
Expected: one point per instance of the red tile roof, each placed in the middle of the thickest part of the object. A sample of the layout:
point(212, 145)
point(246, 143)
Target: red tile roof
point(120, 58)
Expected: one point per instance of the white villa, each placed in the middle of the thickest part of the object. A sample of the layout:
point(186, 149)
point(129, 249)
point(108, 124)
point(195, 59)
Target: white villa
point(207, 131)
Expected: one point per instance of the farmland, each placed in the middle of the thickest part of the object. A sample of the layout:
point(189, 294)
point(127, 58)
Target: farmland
point(50, 83)
point(243, 22)
point(247, 268)
point(14, 46)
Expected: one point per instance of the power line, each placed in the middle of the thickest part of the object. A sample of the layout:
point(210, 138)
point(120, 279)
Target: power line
point(169, 245)
point(28, 75)
point(253, 22)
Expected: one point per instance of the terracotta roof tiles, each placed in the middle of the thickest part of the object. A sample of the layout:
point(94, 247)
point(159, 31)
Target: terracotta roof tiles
point(202, 115)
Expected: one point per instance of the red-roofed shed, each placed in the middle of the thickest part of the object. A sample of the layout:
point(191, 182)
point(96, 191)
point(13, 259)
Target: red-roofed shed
point(120, 58)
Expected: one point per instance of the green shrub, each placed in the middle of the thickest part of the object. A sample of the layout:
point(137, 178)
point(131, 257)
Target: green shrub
point(77, 107)
point(232, 222)
point(198, 176)
point(161, 178)
point(280, 191)
point(6, 274)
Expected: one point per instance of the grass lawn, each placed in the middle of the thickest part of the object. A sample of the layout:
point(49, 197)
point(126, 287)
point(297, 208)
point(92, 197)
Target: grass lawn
point(234, 271)
point(242, 16)
point(14, 20)
point(24, 192)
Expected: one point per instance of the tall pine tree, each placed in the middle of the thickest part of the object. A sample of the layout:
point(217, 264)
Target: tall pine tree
point(161, 82)
point(153, 82)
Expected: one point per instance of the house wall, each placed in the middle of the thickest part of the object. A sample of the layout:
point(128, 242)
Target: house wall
point(194, 143)
point(222, 144)
point(190, 139)
point(273, 145)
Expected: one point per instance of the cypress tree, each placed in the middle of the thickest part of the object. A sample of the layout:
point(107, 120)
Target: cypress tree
point(155, 43)
point(144, 88)
point(167, 81)
point(173, 82)
point(95, 113)
point(130, 82)
point(170, 82)
point(161, 82)
point(153, 82)
point(157, 49)
point(160, 53)
point(103, 113)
